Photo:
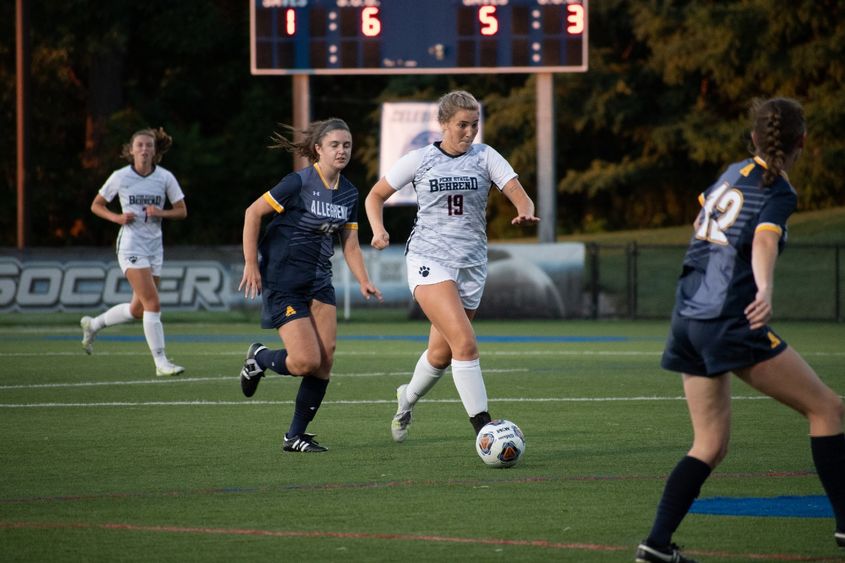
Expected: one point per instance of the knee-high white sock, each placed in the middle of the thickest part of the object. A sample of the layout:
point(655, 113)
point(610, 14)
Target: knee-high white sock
point(470, 385)
point(425, 377)
point(118, 314)
point(154, 331)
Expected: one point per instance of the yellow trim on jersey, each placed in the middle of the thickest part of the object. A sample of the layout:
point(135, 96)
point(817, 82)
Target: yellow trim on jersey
point(701, 199)
point(761, 162)
point(746, 170)
point(323, 178)
point(769, 227)
point(273, 203)
point(351, 226)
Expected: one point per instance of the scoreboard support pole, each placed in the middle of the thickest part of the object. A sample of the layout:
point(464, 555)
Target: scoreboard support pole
point(546, 189)
point(301, 112)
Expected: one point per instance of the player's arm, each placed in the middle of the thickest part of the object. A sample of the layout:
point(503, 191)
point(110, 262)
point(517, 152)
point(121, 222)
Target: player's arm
point(99, 207)
point(515, 193)
point(355, 260)
point(764, 254)
point(178, 210)
point(251, 280)
point(374, 204)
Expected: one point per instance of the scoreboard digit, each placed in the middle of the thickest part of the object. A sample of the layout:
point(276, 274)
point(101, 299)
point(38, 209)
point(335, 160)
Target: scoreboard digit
point(417, 36)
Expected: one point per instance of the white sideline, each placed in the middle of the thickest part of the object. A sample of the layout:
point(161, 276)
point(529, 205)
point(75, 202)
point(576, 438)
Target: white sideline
point(363, 402)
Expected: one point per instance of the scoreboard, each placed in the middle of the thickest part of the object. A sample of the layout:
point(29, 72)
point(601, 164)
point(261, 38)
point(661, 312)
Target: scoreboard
point(417, 36)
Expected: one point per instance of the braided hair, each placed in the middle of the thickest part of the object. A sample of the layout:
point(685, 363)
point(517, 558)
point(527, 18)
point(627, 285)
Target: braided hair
point(311, 136)
point(779, 127)
point(162, 140)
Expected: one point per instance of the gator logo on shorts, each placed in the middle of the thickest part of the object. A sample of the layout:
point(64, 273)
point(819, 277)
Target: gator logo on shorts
point(290, 311)
point(773, 339)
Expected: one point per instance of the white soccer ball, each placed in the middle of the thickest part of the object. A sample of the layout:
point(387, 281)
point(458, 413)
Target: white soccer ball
point(500, 443)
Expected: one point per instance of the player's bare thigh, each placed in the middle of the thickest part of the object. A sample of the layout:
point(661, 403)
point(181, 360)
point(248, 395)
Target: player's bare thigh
point(442, 305)
point(144, 291)
point(791, 381)
point(310, 341)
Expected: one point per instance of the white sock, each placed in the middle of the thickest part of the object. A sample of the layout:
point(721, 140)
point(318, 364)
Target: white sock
point(425, 377)
point(470, 385)
point(154, 331)
point(118, 314)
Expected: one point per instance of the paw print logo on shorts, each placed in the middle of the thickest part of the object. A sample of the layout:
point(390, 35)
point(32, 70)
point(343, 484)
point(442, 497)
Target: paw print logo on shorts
point(424, 271)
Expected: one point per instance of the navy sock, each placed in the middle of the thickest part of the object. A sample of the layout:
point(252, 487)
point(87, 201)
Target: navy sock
point(274, 360)
point(829, 457)
point(311, 393)
point(682, 486)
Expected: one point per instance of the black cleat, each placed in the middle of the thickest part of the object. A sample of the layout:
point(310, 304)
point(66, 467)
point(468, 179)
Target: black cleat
point(669, 554)
point(840, 538)
point(251, 373)
point(479, 421)
point(302, 443)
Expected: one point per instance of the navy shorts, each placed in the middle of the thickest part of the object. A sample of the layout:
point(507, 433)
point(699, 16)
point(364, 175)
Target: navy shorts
point(711, 347)
point(279, 307)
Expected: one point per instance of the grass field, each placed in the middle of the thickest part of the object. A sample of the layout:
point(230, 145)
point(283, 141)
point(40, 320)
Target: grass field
point(102, 461)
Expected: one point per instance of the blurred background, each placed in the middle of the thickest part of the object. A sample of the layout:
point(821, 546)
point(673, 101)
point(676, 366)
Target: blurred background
point(661, 110)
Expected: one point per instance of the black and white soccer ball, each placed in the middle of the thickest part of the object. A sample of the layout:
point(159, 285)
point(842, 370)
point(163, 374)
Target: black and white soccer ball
point(500, 443)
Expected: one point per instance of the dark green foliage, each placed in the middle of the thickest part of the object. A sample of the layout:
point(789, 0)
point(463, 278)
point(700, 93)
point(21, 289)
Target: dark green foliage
point(660, 112)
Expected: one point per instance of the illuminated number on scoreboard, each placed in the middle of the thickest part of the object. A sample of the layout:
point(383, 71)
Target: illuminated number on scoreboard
point(370, 24)
point(487, 17)
point(290, 22)
point(575, 19)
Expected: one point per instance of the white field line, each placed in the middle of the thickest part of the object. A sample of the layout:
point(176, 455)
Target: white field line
point(382, 352)
point(226, 379)
point(361, 402)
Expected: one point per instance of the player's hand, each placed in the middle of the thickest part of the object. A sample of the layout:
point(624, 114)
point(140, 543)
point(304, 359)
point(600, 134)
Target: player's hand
point(380, 240)
point(525, 220)
point(369, 290)
point(250, 282)
point(126, 218)
point(759, 312)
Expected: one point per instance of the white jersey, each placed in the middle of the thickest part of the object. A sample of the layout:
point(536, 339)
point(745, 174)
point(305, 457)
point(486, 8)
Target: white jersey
point(451, 222)
point(143, 235)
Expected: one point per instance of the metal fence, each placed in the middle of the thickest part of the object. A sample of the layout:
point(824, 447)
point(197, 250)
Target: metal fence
point(637, 281)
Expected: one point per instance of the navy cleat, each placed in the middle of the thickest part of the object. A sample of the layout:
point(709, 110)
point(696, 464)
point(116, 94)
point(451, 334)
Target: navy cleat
point(669, 554)
point(251, 373)
point(302, 443)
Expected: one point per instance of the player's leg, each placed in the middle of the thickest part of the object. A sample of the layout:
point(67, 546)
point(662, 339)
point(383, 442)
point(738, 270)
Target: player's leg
point(117, 314)
point(145, 297)
point(312, 348)
point(791, 381)
point(430, 367)
point(708, 401)
point(442, 304)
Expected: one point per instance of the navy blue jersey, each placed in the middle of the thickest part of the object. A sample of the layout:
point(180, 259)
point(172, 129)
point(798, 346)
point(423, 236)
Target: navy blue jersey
point(298, 244)
point(717, 279)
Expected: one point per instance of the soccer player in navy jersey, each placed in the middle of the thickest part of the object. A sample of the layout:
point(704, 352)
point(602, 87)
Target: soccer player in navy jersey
point(142, 187)
point(719, 324)
point(446, 253)
point(291, 269)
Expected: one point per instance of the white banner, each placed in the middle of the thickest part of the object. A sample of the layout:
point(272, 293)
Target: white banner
point(406, 126)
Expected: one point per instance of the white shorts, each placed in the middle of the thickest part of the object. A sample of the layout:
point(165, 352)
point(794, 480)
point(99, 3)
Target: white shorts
point(153, 262)
point(470, 281)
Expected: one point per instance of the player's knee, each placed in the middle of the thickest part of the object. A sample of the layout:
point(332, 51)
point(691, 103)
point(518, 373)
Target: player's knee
point(465, 349)
point(303, 364)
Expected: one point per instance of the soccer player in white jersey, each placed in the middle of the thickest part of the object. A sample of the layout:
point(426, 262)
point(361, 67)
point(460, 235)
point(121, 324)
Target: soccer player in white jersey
point(446, 253)
point(142, 188)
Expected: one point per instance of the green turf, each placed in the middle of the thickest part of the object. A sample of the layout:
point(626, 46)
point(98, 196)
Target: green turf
point(102, 461)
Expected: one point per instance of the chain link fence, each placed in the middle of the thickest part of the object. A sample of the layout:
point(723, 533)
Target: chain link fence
point(637, 281)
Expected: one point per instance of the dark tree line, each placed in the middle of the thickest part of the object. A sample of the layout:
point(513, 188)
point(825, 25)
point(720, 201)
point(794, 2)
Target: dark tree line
point(661, 110)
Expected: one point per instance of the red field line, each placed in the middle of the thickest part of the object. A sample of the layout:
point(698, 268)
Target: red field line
point(383, 537)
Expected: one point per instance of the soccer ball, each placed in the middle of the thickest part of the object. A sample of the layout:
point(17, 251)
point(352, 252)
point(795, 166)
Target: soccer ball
point(500, 443)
